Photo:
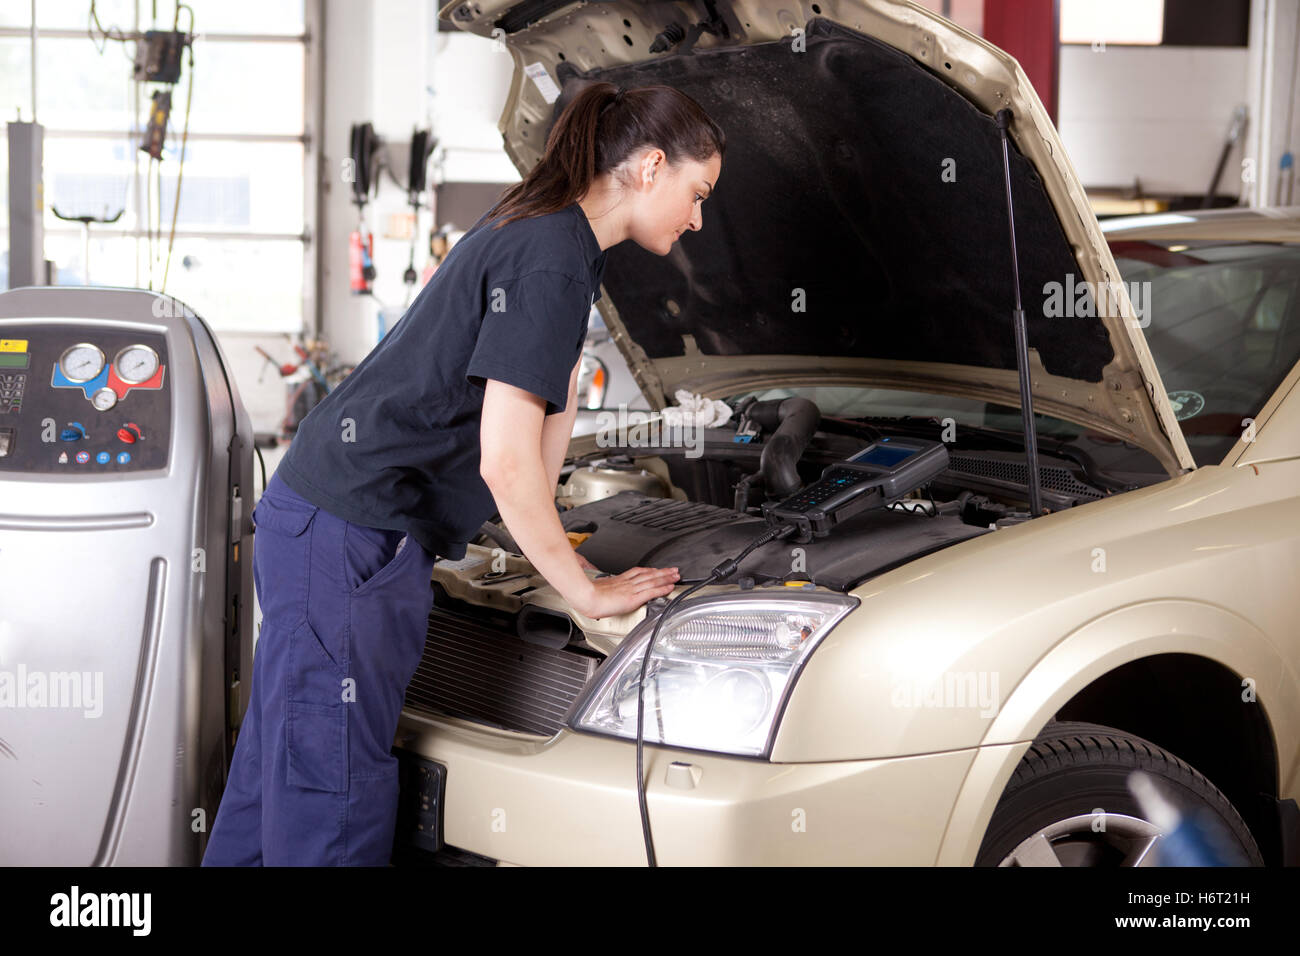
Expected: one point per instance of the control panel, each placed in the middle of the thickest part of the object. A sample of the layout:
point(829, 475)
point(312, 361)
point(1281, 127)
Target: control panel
point(82, 400)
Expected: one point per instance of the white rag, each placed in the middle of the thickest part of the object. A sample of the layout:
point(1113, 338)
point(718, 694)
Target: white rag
point(695, 410)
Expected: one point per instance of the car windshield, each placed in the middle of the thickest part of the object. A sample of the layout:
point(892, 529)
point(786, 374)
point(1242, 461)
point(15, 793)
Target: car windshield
point(1222, 321)
point(1222, 324)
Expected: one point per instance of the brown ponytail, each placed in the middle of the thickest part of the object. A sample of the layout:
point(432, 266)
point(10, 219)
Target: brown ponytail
point(597, 131)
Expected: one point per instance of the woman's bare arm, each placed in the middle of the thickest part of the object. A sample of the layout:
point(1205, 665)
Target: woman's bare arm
point(512, 465)
point(557, 430)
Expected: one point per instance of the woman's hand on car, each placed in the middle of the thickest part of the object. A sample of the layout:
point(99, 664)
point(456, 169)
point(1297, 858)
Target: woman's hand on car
point(511, 463)
point(621, 593)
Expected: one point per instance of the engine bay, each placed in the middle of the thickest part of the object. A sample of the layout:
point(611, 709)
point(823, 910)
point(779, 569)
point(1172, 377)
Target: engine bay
point(666, 505)
point(505, 650)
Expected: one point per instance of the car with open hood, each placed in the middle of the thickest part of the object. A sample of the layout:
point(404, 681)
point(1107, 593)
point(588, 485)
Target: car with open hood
point(968, 670)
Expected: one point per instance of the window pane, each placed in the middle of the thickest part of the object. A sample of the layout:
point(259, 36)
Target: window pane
point(1112, 21)
point(226, 186)
point(16, 78)
point(248, 16)
point(238, 87)
point(75, 14)
point(237, 285)
point(241, 187)
point(242, 88)
point(81, 89)
point(210, 16)
point(234, 284)
point(112, 258)
point(87, 177)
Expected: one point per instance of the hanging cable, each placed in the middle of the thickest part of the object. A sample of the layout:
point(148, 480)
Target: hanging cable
point(723, 570)
point(185, 133)
point(148, 217)
point(111, 33)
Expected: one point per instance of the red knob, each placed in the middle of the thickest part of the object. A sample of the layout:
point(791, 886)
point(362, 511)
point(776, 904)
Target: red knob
point(129, 433)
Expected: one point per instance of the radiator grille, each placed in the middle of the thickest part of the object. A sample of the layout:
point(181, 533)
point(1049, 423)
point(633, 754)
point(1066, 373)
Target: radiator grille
point(472, 670)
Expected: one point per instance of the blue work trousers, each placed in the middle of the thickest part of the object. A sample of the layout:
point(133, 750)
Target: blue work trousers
point(345, 612)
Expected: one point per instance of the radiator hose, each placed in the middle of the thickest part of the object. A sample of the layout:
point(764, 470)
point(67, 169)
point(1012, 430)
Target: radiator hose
point(793, 422)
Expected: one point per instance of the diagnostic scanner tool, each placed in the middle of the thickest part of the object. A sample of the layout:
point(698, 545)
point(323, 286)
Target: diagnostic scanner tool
point(881, 473)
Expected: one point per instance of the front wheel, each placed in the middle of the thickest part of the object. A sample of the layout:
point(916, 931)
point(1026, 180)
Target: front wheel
point(1067, 804)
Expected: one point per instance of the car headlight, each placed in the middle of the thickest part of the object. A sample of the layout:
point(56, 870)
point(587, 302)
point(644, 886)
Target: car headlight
point(720, 673)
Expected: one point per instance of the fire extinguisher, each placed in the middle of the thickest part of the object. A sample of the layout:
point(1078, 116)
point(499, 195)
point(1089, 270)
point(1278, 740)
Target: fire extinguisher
point(363, 148)
point(361, 260)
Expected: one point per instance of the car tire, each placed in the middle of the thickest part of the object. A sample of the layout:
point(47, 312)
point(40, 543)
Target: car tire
point(1048, 813)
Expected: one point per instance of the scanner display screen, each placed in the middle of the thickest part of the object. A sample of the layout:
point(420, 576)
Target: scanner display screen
point(882, 455)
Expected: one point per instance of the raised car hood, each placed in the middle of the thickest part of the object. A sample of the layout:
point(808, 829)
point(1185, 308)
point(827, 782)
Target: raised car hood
point(833, 183)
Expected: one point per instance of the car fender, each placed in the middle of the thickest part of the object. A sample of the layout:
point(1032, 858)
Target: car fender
point(1116, 638)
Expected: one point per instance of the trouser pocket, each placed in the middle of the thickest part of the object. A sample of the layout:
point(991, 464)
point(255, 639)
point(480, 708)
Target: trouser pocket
point(318, 671)
point(316, 738)
point(371, 555)
point(318, 691)
point(388, 621)
point(281, 551)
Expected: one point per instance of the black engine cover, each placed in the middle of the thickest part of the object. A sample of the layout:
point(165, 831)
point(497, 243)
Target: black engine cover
point(630, 530)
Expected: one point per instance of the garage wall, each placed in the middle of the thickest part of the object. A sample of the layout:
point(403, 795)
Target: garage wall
point(387, 63)
point(1161, 113)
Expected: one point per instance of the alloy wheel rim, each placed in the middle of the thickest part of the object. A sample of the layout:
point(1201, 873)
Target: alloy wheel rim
point(1122, 840)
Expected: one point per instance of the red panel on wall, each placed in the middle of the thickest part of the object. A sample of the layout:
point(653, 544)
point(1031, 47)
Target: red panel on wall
point(1030, 31)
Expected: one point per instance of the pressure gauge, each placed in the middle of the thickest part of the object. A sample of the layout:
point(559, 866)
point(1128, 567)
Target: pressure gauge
point(81, 362)
point(104, 399)
point(136, 364)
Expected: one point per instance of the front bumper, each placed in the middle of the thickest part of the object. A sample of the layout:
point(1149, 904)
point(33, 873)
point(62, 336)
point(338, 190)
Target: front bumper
point(570, 800)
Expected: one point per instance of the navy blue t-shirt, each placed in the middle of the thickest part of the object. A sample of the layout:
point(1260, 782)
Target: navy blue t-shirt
point(396, 444)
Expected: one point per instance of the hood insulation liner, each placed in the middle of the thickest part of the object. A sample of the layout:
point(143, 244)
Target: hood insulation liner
point(833, 183)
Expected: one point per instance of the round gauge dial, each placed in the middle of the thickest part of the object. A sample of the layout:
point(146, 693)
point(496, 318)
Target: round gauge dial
point(104, 399)
point(81, 362)
point(136, 364)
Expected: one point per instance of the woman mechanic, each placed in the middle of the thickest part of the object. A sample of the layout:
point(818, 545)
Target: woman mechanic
point(465, 408)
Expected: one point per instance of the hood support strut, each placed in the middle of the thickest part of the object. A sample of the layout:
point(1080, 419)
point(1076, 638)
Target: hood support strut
point(1003, 119)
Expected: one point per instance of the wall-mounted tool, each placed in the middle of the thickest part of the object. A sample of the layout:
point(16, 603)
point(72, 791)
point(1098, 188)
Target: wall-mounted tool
point(364, 148)
point(158, 55)
point(160, 109)
point(422, 145)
